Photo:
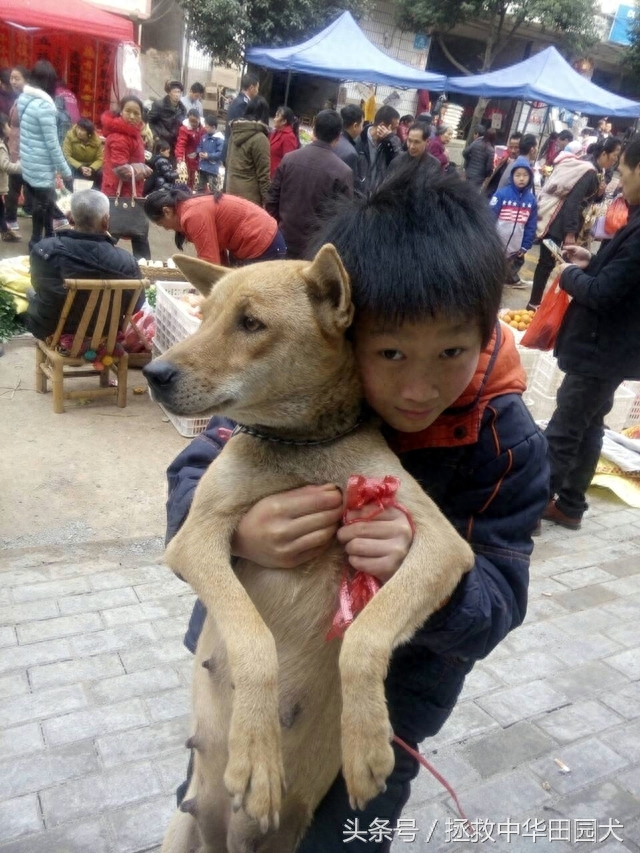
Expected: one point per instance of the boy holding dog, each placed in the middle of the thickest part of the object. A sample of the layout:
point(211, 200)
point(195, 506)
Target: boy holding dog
point(445, 379)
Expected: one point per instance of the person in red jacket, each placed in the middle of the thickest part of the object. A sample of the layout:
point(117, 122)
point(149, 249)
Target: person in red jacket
point(284, 137)
point(189, 135)
point(225, 229)
point(124, 152)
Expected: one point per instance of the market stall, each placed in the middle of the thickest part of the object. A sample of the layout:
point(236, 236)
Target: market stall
point(80, 41)
point(343, 52)
point(546, 77)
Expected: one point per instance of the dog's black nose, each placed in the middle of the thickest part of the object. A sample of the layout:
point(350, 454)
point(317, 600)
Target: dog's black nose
point(160, 374)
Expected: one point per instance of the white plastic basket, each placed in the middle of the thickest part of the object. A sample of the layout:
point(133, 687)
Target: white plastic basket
point(633, 417)
point(543, 405)
point(174, 323)
point(187, 427)
point(547, 377)
point(623, 402)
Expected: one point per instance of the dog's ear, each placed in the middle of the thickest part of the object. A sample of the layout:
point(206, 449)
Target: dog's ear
point(200, 274)
point(328, 287)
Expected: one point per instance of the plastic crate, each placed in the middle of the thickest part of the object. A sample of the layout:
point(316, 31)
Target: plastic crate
point(543, 405)
point(187, 427)
point(633, 417)
point(529, 359)
point(174, 323)
point(623, 402)
point(547, 377)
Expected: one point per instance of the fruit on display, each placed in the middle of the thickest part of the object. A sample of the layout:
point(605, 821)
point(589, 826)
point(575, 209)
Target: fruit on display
point(517, 319)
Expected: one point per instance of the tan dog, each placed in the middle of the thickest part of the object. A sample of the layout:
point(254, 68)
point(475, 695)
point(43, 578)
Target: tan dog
point(274, 703)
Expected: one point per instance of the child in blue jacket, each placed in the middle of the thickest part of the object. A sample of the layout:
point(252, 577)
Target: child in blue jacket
point(446, 381)
point(516, 209)
point(209, 152)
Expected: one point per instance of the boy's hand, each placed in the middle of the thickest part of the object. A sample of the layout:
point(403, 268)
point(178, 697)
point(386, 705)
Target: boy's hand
point(285, 530)
point(379, 546)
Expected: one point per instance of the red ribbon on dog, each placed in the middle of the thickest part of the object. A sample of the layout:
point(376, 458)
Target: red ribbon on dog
point(358, 588)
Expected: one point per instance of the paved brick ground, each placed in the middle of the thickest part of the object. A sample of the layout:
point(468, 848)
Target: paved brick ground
point(94, 700)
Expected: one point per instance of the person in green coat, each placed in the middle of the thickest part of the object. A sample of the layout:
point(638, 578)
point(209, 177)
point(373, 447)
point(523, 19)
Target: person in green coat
point(83, 151)
point(249, 154)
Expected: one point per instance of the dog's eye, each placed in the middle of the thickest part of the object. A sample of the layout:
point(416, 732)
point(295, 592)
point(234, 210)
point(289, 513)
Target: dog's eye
point(251, 324)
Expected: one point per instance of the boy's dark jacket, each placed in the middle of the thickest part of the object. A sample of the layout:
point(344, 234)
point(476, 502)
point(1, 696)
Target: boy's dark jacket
point(484, 462)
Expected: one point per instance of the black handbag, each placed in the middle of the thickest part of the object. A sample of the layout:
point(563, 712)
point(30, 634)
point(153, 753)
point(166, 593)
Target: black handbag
point(126, 215)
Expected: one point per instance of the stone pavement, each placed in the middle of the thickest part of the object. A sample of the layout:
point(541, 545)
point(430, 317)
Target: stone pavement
point(94, 700)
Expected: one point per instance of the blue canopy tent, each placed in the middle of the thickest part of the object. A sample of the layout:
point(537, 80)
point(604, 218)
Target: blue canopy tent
point(549, 78)
point(343, 52)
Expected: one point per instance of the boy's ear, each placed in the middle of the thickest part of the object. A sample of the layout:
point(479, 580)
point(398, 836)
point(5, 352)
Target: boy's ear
point(329, 288)
point(201, 274)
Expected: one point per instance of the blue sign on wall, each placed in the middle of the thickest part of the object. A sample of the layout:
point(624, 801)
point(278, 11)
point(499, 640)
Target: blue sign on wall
point(421, 42)
point(621, 25)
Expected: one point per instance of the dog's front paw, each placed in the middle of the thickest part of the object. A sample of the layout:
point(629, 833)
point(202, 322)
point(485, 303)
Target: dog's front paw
point(254, 776)
point(367, 756)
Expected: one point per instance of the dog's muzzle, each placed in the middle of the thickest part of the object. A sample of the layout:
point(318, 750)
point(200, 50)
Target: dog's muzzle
point(162, 376)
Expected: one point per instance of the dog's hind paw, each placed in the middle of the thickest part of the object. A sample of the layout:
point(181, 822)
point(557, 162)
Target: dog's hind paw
point(254, 776)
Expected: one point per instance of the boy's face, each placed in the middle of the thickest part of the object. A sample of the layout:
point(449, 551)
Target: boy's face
point(520, 178)
point(413, 372)
point(194, 122)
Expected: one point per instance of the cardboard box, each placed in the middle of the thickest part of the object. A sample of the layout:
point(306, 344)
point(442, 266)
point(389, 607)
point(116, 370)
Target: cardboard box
point(228, 77)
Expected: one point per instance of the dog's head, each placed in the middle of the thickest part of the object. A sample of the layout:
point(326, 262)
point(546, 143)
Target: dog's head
point(272, 336)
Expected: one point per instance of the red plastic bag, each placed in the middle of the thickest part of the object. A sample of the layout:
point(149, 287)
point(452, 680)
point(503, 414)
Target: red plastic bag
point(139, 336)
point(358, 588)
point(616, 216)
point(543, 329)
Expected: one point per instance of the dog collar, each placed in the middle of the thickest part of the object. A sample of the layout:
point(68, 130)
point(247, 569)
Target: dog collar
point(265, 436)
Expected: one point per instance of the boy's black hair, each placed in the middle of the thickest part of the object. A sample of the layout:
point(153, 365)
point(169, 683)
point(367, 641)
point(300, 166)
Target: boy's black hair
point(421, 246)
point(210, 120)
point(631, 154)
point(197, 88)
point(328, 126)
point(566, 134)
point(193, 112)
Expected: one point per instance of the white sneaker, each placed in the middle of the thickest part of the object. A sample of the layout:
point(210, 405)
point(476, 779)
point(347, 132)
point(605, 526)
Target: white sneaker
point(13, 226)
